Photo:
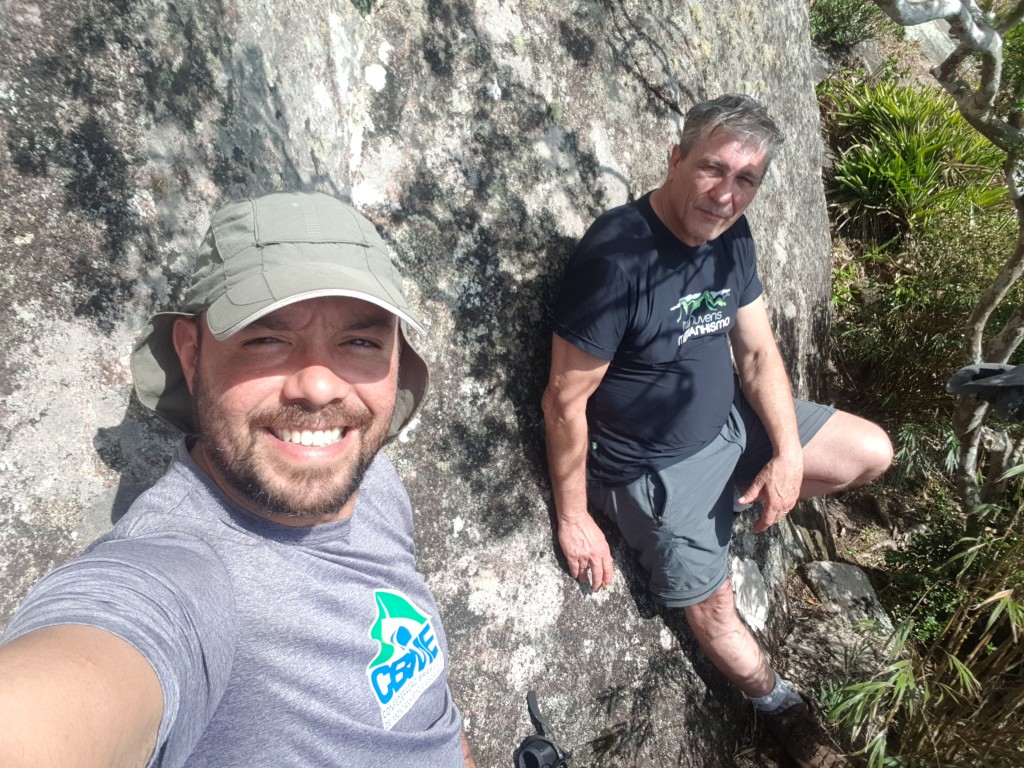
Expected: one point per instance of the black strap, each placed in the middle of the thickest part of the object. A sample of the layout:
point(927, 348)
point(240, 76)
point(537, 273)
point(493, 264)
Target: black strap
point(539, 721)
point(539, 751)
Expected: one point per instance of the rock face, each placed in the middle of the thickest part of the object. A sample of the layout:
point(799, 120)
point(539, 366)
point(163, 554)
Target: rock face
point(482, 138)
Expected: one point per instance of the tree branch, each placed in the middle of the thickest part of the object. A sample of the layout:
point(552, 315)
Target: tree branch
point(974, 334)
point(981, 36)
point(910, 13)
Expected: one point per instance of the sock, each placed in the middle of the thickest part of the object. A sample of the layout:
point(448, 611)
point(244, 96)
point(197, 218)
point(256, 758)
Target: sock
point(780, 698)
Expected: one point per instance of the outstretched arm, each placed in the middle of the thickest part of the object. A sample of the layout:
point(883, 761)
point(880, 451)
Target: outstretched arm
point(767, 389)
point(575, 375)
point(467, 753)
point(76, 696)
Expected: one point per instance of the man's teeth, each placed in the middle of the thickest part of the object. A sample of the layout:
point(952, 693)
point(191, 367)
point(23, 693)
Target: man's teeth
point(317, 437)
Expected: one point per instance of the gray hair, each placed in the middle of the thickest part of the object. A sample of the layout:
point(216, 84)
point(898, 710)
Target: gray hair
point(743, 117)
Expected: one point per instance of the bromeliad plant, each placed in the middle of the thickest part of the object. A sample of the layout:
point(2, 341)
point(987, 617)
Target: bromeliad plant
point(903, 157)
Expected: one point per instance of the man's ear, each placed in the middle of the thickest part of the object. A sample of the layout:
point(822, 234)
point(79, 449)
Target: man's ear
point(185, 334)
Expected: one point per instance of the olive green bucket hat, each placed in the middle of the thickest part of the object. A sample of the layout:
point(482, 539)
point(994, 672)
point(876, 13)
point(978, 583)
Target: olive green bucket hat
point(265, 253)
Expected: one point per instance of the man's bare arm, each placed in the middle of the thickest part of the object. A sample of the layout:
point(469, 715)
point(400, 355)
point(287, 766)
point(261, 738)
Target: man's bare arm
point(467, 753)
point(767, 389)
point(575, 375)
point(76, 697)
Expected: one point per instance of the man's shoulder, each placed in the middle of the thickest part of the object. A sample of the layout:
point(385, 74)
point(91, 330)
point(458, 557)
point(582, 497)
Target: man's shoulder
point(618, 244)
point(179, 494)
point(383, 489)
point(631, 212)
point(621, 226)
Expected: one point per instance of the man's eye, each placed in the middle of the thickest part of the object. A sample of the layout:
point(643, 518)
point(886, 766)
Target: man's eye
point(363, 343)
point(262, 340)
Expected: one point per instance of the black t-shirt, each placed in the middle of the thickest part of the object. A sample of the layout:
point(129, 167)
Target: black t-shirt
point(660, 312)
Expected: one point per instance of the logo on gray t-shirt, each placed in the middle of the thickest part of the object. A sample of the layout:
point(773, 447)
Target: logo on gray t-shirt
point(409, 659)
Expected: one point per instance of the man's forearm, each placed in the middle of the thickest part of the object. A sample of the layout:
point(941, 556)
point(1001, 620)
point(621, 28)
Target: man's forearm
point(766, 387)
point(575, 376)
point(467, 753)
point(566, 436)
point(582, 542)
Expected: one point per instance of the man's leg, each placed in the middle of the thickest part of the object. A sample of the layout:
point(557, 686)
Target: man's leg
point(733, 650)
point(840, 450)
point(728, 643)
point(847, 451)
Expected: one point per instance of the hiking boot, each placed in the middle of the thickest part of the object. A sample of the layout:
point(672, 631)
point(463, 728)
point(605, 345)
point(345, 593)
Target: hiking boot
point(799, 732)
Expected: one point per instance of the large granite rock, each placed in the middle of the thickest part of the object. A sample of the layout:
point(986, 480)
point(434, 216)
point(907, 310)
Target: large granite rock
point(482, 138)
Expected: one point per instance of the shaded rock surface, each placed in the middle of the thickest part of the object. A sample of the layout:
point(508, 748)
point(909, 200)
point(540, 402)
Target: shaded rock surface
point(845, 590)
point(837, 634)
point(482, 138)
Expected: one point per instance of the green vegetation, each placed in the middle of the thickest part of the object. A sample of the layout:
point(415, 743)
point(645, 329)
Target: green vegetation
point(904, 157)
point(916, 196)
point(922, 223)
point(844, 23)
point(1013, 71)
point(952, 691)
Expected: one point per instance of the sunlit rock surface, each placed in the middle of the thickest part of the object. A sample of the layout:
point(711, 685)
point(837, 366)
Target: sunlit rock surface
point(482, 138)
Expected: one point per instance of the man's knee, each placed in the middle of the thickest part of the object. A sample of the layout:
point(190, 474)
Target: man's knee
point(846, 452)
point(877, 452)
point(714, 613)
point(866, 450)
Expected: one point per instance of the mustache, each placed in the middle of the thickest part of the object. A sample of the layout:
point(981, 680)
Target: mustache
point(295, 416)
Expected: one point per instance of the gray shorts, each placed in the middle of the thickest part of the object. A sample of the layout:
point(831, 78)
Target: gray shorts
point(679, 519)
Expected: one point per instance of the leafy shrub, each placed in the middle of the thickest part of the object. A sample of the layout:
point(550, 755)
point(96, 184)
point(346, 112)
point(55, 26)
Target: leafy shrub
point(925, 452)
point(1012, 91)
point(918, 197)
point(954, 699)
point(841, 24)
point(903, 157)
point(922, 585)
point(899, 315)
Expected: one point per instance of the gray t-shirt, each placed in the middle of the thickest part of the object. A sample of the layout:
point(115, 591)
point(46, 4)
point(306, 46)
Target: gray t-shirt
point(275, 646)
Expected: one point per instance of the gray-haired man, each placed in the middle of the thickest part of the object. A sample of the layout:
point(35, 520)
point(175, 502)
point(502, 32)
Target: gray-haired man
point(642, 415)
point(260, 604)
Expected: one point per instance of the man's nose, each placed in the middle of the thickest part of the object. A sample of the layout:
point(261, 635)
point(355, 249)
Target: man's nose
point(722, 191)
point(315, 384)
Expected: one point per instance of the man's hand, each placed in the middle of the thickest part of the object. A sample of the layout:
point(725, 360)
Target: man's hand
point(777, 486)
point(585, 547)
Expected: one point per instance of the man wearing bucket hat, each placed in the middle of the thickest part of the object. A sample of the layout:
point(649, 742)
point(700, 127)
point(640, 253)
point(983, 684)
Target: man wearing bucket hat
point(260, 604)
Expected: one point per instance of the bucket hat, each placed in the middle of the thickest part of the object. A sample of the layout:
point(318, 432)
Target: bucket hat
point(262, 254)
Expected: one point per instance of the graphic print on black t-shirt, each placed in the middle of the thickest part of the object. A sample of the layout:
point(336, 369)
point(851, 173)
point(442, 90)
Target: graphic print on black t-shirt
point(659, 311)
point(701, 314)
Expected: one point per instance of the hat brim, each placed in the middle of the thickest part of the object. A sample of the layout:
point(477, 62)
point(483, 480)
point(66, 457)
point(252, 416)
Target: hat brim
point(272, 289)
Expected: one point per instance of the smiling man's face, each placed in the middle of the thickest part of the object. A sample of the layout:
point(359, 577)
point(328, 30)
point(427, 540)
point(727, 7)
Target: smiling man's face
point(292, 409)
point(708, 190)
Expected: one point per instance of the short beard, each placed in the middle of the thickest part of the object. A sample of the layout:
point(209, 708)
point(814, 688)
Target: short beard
point(243, 477)
point(305, 496)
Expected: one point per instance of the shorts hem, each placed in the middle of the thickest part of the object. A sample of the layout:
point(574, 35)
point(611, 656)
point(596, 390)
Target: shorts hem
point(675, 600)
